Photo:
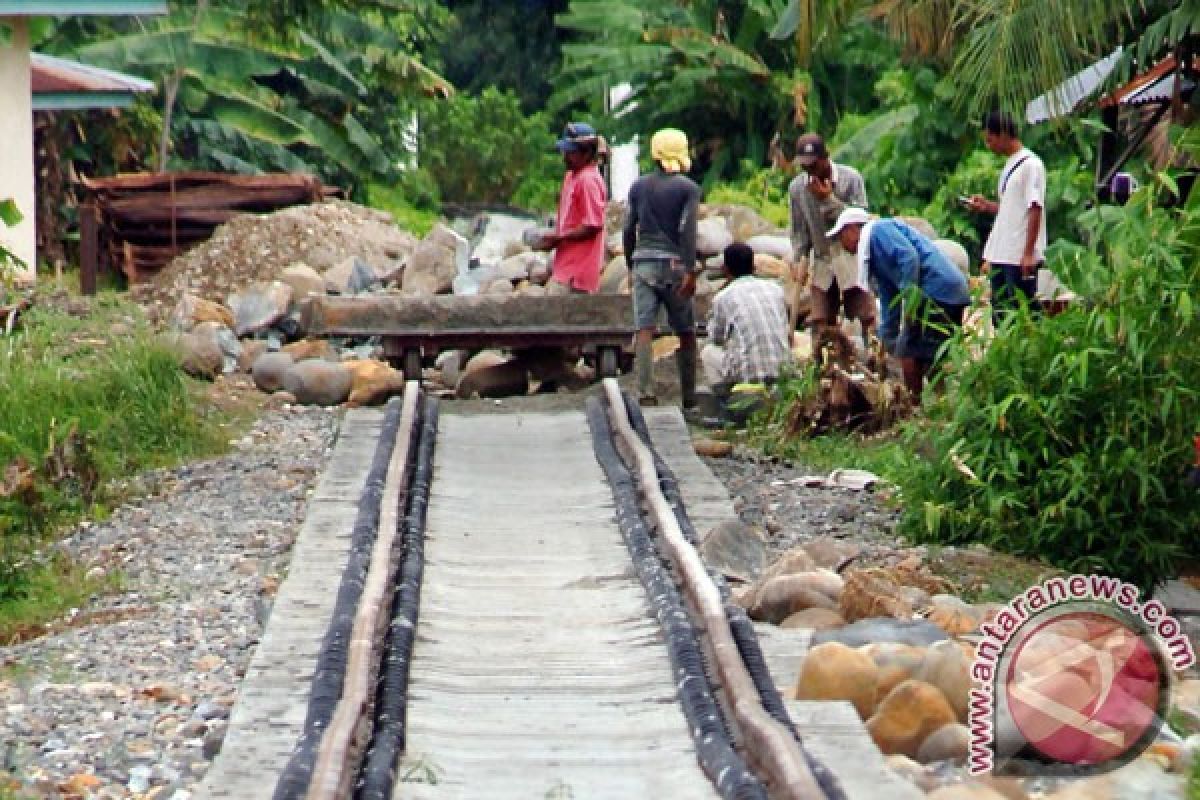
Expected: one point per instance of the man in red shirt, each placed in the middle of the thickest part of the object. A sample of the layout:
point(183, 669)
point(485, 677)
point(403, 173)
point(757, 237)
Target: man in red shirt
point(578, 238)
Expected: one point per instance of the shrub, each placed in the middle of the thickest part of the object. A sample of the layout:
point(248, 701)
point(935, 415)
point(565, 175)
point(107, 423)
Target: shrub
point(1068, 437)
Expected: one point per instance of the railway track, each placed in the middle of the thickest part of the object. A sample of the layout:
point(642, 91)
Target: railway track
point(519, 611)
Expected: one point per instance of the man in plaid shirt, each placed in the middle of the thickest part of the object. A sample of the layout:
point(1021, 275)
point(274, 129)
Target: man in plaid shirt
point(747, 327)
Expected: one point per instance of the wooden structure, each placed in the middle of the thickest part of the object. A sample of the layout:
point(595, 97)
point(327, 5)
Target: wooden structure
point(137, 223)
point(412, 327)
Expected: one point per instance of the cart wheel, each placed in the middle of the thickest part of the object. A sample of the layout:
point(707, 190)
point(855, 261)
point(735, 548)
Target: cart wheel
point(608, 362)
point(412, 364)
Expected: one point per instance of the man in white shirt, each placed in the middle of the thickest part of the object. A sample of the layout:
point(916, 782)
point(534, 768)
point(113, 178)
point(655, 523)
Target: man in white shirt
point(1016, 247)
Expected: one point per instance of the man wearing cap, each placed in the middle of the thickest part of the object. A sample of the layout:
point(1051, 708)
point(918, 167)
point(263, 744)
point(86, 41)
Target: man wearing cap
point(816, 196)
point(896, 257)
point(660, 249)
point(578, 238)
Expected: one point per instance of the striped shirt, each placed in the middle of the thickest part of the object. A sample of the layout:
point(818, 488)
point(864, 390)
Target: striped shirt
point(749, 319)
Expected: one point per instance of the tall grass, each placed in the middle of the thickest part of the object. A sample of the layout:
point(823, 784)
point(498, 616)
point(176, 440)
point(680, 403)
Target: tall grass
point(83, 403)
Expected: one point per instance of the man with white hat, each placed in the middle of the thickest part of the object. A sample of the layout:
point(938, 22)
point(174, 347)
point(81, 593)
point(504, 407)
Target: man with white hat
point(816, 196)
point(660, 249)
point(895, 257)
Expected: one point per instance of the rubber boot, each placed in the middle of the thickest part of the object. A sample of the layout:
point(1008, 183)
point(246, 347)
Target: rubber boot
point(643, 366)
point(685, 360)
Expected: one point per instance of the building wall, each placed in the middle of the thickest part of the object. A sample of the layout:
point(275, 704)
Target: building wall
point(16, 141)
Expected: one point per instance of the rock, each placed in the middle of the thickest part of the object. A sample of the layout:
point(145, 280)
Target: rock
point(948, 668)
point(304, 280)
point(965, 791)
point(956, 253)
point(817, 619)
point(948, 743)
point(505, 379)
point(735, 549)
point(193, 310)
point(712, 236)
point(613, 273)
point(712, 448)
point(956, 622)
point(498, 286)
point(1141, 779)
point(921, 226)
point(784, 595)
point(831, 553)
point(766, 266)
point(373, 382)
point(305, 349)
point(917, 632)
point(539, 273)
point(251, 350)
point(269, 370)
point(518, 267)
point(795, 560)
point(450, 363)
point(770, 245)
point(350, 276)
point(224, 339)
point(906, 717)
point(259, 306)
point(200, 355)
point(743, 222)
point(833, 671)
point(318, 383)
point(897, 663)
point(435, 262)
point(908, 769)
point(871, 593)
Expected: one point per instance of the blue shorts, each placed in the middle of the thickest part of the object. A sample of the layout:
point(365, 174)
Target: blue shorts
point(656, 285)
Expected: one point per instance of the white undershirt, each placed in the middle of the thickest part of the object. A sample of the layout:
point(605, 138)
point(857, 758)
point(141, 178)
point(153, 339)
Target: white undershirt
point(1021, 186)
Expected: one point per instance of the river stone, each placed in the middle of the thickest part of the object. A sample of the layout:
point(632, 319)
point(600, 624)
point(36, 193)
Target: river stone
point(712, 236)
point(948, 743)
point(765, 244)
point(373, 382)
point(817, 619)
point(832, 671)
point(259, 306)
point(916, 632)
point(305, 349)
point(251, 350)
point(318, 383)
point(907, 716)
point(192, 310)
point(270, 368)
point(304, 280)
point(735, 549)
point(199, 355)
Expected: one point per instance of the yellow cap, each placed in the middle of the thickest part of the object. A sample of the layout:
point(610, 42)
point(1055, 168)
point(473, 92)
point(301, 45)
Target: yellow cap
point(669, 147)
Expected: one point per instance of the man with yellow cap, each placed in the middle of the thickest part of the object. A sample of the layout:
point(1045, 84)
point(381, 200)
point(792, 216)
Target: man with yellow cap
point(660, 249)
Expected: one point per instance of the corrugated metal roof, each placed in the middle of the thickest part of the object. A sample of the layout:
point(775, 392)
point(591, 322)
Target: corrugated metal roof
point(55, 8)
point(54, 74)
point(1069, 94)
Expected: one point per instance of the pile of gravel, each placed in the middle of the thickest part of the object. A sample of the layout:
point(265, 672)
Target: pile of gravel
point(255, 247)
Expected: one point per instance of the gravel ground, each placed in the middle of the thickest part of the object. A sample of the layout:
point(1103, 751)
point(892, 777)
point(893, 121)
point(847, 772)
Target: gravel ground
point(131, 698)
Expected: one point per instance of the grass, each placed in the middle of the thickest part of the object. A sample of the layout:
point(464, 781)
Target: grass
point(1193, 784)
point(89, 400)
point(417, 221)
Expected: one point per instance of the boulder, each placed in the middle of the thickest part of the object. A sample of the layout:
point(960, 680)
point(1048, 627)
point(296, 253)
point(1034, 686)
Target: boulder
point(712, 236)
point(956, 253)
point(917, 632)
point(229, 344)
point(612, 275)
point(897, 663)
point(795, 560)
point(784, 595)
point(948, 668)
point(251, 350)
point(712, 448)
point(831, 553)
point(304, 280)
point(816, 619)
point(500, 380)
point(539, 273)
point(518, 267)
point(192, 310)
point(743, 222)
point(948, 743)
point(433, 265)
point(450, 363)
point(833, 671)
point(351, 276)
point(906, 717)
point(767, 266)
point(259, 306)
point(310, 348)
point(768, 245)
point(199, 355)
point(373, 382)
point(498, 286)
point(921, 226)
point(318, 383)
point(269, 369)
point(735, 549)
point(872, 593)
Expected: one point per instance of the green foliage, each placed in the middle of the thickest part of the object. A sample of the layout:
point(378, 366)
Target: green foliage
point(764, 190)
point(484, 149)
point(1067, 438)
point(9, 215)
point(82, 408)
point(416, 217)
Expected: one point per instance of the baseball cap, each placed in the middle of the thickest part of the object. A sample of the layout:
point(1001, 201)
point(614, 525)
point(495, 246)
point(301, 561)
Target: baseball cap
point(810, 148)
point(575, 136)
point(849, 216)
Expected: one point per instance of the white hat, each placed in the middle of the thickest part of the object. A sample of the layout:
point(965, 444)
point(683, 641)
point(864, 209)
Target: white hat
point(849, 216)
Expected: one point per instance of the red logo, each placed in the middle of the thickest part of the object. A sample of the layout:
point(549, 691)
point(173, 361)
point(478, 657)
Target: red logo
point(1085, 688)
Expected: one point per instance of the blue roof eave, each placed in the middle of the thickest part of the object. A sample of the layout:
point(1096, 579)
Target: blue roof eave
point(55, 8)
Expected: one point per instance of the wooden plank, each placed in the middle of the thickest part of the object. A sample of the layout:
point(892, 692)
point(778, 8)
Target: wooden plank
point(89, 248)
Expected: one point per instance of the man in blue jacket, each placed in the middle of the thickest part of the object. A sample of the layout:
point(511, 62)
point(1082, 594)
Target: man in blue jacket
point(896, 257)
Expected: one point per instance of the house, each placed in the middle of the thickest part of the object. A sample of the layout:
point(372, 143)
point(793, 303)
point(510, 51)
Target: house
point(65, 85)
